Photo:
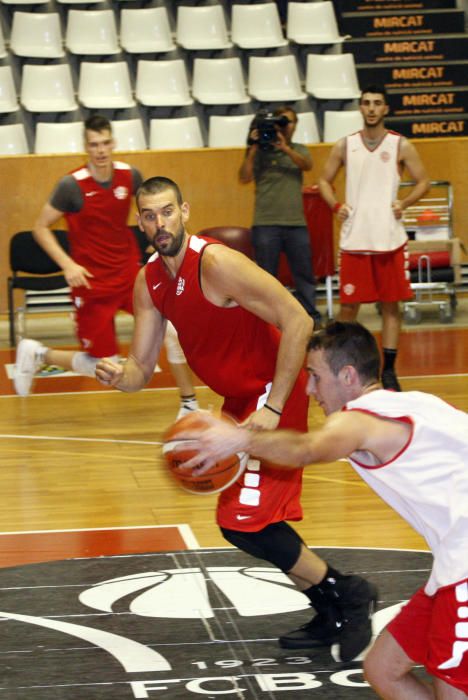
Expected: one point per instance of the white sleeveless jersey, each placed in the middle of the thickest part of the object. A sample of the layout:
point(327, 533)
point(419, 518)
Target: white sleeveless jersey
point(427, 482)
point(372, 181)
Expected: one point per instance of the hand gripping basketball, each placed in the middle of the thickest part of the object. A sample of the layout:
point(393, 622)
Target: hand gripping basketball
point(176, 451)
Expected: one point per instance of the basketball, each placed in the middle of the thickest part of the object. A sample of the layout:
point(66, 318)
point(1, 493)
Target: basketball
point(216, 479)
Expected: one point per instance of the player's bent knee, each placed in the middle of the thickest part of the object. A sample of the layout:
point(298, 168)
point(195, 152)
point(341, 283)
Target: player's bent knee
point(277, 543)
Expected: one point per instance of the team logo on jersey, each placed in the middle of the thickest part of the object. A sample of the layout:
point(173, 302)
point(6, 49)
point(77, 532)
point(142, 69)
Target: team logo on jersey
point(385, 156)
point(349, 289)
point(121, 192)
point(180, 286)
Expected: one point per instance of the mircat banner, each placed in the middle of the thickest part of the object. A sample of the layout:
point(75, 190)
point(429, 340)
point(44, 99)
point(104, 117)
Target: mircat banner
point(419, 48)
point(393, 5)
point(429, 126)
point(370, 24)
point(434, 102)
point(445, 75)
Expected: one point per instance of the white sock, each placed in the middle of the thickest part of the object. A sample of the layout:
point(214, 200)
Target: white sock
point(85, 364)
point(189, 402)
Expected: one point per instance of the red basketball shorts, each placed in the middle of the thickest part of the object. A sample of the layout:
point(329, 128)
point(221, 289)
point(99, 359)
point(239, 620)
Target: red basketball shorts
point(95, 319)
point(366, 278)
point(264, 495)
point(433, 631)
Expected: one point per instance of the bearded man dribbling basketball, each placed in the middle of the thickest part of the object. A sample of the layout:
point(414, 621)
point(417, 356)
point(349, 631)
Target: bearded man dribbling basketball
point(245, 336)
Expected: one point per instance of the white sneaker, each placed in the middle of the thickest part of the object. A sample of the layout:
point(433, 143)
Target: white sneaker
point(27, 364)
point(187, 407)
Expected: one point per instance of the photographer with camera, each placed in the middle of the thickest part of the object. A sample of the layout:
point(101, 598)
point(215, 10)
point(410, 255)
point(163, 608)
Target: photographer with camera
point(276, 165)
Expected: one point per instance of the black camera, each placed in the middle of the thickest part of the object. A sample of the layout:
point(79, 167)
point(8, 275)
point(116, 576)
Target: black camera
point(266, 124)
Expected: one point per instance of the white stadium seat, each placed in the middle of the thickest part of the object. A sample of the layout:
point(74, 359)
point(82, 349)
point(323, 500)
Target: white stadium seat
point(167, 134)
point(219, 81)
point(13, 140)
point(332, 76)
point(36, 35)
point(274, 78)
point(47, 88)
point(229, 131)
point(306, 129)
point(105, 85)
point(337, 124)
point(257, 26)
point(59, 137)
point(312, 23)
point(8, 99)
point(91, 33)
point(201, 27)
point(145, 30)
point(129, 135)
point(162, 84)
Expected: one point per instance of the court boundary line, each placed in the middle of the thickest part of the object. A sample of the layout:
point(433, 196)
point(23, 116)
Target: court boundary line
point(184, 529)
point(453, 375)
point(97, 391)
point(113, 441)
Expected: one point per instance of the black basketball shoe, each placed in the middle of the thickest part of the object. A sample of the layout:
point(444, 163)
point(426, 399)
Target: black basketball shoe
point(322, 631)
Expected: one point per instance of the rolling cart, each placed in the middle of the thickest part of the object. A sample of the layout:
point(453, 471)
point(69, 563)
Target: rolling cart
point(434, 254)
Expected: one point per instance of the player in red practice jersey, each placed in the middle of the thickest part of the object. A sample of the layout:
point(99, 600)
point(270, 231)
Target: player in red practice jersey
point(104, 260)
point(245, 335)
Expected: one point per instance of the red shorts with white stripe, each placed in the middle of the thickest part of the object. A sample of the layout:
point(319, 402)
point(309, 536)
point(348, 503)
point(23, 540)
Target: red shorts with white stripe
point(263, 494)
point(366, 278)
point(433, 631)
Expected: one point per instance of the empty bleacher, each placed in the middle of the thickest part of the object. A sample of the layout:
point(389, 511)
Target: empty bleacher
point(147, 62)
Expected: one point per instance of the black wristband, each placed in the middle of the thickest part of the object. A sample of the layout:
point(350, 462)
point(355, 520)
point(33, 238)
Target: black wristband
point(273, 410)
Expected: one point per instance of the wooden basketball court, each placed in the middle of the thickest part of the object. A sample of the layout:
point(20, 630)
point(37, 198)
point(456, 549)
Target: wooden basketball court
point(115, 584)
point(79, 457)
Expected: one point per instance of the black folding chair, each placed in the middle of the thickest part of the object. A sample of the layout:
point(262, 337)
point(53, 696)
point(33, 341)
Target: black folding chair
point(33, 270)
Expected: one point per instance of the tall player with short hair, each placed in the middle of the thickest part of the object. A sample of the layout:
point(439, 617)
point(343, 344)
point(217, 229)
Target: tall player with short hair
point(373, 240)
point(245, 336)
point(104, 261)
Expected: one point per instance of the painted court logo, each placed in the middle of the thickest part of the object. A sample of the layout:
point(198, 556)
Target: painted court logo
point(196, 628)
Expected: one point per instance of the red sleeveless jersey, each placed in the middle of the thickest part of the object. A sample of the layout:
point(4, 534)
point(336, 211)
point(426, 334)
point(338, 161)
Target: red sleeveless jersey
point(230, 349)
point(234, 352)
point(100, 239)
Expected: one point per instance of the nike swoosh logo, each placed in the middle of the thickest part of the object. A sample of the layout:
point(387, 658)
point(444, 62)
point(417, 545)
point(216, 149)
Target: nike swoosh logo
point(242, 517)
point(155, 286)
point(90, 194)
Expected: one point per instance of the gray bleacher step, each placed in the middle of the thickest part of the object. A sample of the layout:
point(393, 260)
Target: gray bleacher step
point(420, 48)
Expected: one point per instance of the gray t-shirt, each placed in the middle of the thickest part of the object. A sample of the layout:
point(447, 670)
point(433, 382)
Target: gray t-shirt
point(278, 194)
point(67, 195)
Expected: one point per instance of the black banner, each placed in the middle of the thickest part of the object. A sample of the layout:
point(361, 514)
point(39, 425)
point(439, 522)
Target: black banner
point(428, 102)
point(370, 24)
point(392, 5)
point(429, 127)
point(447, 47)
point(407, 75)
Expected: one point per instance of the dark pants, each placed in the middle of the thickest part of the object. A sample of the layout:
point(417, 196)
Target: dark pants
point(270, 241)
